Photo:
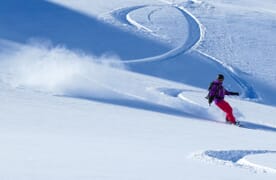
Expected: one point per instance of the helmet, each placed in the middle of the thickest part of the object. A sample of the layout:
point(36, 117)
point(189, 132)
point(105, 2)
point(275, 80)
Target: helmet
point(220, 76)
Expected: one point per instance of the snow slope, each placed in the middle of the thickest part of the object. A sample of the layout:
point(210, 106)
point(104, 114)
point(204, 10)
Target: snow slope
point(100, 90)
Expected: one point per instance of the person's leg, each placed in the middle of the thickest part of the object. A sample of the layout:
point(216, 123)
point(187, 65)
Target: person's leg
point(223, 105)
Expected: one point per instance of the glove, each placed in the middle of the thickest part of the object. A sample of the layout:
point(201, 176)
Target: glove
point(210, 100)
point(235, 93)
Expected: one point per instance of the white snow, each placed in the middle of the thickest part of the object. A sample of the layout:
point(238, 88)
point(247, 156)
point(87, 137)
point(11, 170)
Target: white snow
point(116, 89)
point(260, 163)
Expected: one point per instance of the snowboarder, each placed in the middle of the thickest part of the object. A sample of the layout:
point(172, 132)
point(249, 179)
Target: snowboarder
point(217, 93)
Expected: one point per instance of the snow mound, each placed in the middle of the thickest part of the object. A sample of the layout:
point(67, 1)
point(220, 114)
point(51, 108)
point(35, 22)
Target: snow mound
point(262, 162)
point(241, 158)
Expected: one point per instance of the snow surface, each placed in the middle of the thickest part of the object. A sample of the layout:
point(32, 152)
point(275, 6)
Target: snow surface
point(115, 89)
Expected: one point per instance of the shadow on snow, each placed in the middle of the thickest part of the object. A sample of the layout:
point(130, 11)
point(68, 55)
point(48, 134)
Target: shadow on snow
point(234, 155)
point(22, 21)
point(139, 104)
point(255, 126)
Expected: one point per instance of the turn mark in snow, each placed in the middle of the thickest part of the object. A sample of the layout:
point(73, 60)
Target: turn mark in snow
point(237, 158)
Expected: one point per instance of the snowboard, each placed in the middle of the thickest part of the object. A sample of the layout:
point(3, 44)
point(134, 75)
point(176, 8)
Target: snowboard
point(238, 123)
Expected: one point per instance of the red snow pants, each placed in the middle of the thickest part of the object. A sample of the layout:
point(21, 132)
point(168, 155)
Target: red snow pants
point(225, 106)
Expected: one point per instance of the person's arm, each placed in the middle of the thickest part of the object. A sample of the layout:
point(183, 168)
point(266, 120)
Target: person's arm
point(234, 93)
point(231, 93)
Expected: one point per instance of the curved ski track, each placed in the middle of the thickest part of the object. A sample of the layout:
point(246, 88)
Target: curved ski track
point(196, 34)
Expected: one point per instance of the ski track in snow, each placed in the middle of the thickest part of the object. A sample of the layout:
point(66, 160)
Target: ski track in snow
point(123, 15)
point(196, 34)
point(235, 158)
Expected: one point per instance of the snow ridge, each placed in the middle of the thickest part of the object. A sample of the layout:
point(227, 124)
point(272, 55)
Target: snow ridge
point(235, 158)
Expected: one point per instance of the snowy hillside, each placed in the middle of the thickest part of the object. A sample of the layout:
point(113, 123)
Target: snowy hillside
point(115, 89)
